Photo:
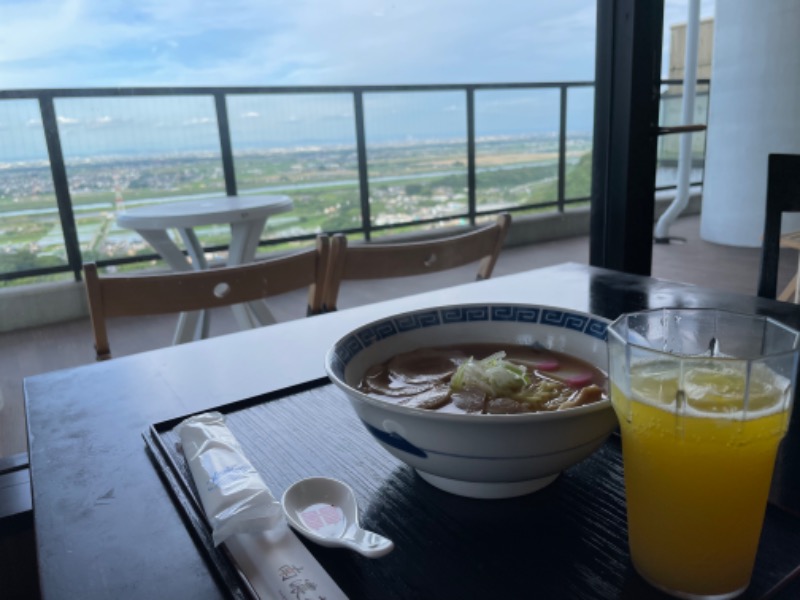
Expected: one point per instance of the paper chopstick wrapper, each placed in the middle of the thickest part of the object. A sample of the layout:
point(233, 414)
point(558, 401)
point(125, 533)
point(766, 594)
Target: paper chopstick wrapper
point(234, 496)
point(245, 515)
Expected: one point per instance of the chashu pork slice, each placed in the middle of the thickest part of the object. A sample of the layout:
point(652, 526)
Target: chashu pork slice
point(411, 373)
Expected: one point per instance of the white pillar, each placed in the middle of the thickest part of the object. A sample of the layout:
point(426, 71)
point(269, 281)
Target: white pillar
point(754, 110)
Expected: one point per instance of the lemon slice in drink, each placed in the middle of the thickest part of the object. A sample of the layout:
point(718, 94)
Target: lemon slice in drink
point(723, 388)
point(655, 382)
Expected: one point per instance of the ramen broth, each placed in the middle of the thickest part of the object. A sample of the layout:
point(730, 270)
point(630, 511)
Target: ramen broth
point(485, 379)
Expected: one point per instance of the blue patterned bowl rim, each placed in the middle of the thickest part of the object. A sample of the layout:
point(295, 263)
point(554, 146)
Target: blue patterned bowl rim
point(347, 347)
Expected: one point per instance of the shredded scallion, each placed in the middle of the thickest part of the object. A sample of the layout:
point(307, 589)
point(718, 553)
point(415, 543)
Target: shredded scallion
point(492, 375)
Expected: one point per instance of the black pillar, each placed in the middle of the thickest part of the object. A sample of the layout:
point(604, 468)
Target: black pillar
point(627, 82)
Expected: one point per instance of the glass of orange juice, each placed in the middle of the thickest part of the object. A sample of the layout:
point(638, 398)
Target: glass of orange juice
point(703, 399)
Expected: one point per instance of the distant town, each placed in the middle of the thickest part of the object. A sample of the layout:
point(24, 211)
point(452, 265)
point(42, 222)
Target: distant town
point(408, 182)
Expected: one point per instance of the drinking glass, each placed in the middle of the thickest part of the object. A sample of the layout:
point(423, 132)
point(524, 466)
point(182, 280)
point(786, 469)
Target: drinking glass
point(703, 399)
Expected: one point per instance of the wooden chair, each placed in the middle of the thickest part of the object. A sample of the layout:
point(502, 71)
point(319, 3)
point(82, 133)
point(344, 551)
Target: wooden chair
point(791, 293)
point(141, 295)
point(402, 259)
point(783, 195)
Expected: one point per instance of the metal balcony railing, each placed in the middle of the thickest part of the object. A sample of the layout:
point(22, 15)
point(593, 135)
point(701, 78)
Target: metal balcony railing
point(50, 123)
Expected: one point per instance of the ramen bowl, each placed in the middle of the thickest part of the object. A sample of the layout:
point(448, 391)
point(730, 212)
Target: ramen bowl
point(478, 455)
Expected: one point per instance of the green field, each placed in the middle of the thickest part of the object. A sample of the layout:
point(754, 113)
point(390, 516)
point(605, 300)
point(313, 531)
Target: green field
point(407, 183)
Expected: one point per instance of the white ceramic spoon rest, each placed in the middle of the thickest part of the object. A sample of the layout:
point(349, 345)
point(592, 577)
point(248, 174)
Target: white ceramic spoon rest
point(325, 511)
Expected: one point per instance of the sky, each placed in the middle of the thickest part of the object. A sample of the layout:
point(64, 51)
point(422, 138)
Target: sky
point(95, 43)
point(110, 43)
point(99, 43)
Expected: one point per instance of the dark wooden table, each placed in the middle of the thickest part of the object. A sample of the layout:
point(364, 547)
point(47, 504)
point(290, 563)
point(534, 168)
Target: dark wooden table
point(107, 526)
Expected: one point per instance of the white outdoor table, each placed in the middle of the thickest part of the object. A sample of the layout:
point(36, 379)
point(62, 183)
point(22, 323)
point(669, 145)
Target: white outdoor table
point(246, 215)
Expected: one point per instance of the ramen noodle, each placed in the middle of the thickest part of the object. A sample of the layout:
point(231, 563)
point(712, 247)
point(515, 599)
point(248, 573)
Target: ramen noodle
point(485, 379)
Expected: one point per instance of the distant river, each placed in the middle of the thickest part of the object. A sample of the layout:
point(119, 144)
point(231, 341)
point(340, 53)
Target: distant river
point(392, 178)
point(665, 176)
point(292, 187)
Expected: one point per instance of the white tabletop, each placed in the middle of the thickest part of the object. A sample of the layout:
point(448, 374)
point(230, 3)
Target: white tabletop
point(205, 211)
point(246, 216)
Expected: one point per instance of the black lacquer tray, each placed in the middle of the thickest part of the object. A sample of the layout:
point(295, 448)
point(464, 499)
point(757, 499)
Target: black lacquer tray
point(568, 540)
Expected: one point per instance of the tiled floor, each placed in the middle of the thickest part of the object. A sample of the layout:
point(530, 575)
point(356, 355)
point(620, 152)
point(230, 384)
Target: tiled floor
point(69, 344)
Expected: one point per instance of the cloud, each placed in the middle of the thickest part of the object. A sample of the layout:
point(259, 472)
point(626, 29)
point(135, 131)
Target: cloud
point(104, 121)
point(250, 115)
point(198, 121)
point(38, 29)
point(67, 120)
point(93, 43)
point(303, 42)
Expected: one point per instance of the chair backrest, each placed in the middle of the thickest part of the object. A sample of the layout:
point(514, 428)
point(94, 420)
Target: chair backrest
point(402, 259)
point(783, 195)
point(141, 295)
